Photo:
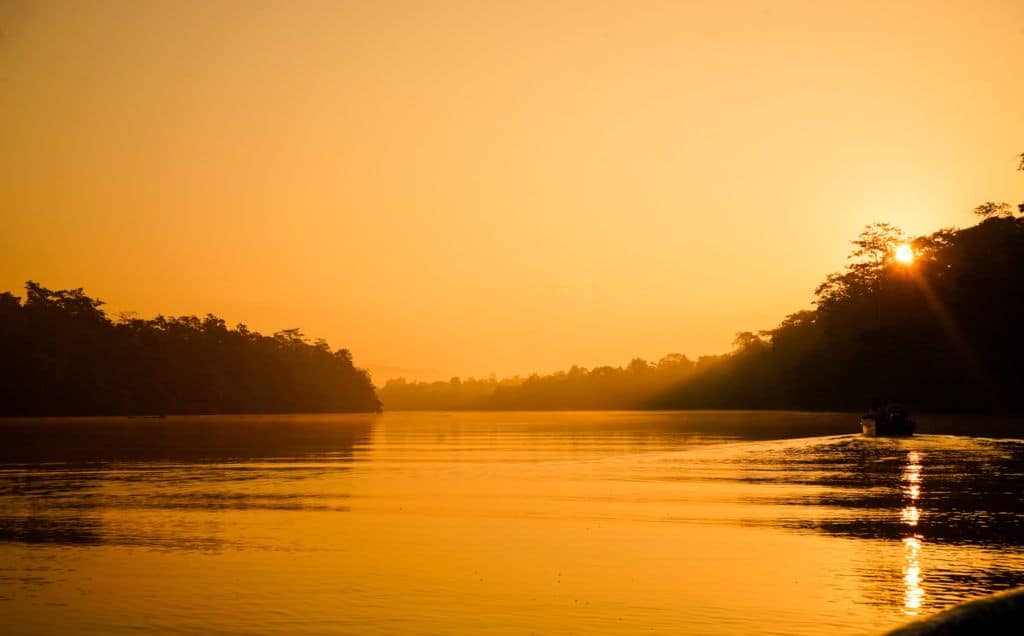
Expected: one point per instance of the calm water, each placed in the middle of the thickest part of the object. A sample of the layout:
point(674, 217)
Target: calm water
point(517, 523)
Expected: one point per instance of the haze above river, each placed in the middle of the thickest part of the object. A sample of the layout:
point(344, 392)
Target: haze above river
point(690, 522)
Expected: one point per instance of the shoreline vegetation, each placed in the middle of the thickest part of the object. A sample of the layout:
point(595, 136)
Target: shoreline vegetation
point(64, 356)
point(940, 331)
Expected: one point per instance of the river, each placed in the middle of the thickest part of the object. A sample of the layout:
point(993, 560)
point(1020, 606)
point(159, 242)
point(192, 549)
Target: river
point(518, 523)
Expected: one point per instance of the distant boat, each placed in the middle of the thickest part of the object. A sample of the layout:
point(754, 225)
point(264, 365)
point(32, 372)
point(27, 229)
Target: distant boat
point(889, 421)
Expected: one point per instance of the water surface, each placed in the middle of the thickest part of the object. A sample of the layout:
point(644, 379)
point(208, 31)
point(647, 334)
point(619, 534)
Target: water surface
point(698, 522)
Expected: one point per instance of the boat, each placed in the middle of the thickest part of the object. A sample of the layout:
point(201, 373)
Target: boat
point(888, 421)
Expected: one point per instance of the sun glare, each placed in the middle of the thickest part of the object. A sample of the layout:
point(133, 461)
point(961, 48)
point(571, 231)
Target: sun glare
point(905, 254)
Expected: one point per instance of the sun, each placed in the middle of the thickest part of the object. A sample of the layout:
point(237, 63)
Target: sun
point(905, 254)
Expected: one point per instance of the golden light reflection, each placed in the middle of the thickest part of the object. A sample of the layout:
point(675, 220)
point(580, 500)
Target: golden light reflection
point(912, 474)
point(905, 254)
point(913, 592)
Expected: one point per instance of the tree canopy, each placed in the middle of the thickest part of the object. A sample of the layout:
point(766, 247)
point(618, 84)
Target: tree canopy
point(940, 333)
point(62, 355)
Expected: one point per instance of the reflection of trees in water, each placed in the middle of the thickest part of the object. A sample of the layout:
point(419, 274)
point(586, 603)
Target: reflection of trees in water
point(181, 439)
point(60, 480)
point(34, 507)
point(926, 494)
point(64, 529)
point(974, 493)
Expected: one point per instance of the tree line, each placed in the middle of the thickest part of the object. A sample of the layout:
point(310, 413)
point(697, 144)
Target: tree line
point(62, 355)
point(607, 387)
point(940, 333)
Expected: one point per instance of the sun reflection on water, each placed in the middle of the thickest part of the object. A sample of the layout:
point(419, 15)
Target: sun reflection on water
point(913, 592)
point(910, 515)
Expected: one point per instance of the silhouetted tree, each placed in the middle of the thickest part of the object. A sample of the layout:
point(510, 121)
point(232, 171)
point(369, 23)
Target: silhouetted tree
point(940, 334)
point(63, 356)
point(991, 209)
point(606, 387)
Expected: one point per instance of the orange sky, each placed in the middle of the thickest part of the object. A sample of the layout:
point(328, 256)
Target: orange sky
point(474, 187)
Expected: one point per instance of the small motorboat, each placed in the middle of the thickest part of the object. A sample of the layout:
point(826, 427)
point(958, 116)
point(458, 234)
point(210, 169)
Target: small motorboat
point(888, 421)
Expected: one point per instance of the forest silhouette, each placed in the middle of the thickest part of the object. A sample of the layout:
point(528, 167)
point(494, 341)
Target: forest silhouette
point(62, 355)
point(940, 333)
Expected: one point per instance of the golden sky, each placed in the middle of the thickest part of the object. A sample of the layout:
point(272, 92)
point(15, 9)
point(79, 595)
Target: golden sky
point(460, 188)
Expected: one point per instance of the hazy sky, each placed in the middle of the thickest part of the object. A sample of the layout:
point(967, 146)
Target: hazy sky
point(474, 187)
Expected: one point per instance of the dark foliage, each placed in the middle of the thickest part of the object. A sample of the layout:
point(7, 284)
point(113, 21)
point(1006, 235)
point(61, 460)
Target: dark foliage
point(940, 334)
point(62, 355)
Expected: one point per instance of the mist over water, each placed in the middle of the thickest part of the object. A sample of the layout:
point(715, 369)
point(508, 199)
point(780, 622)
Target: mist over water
point(687, 522)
